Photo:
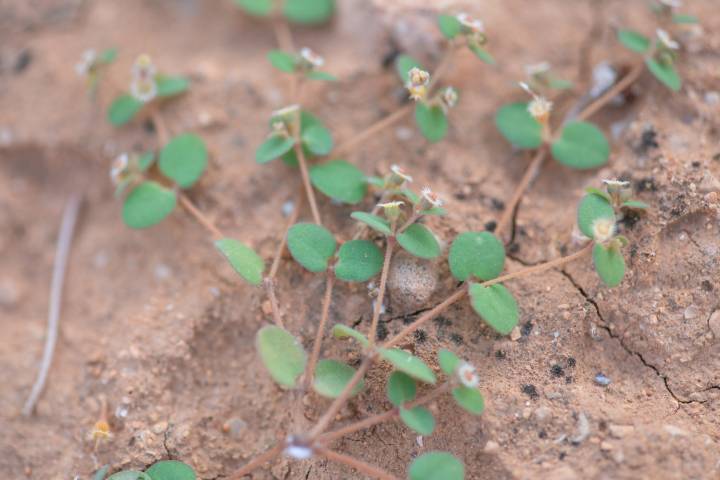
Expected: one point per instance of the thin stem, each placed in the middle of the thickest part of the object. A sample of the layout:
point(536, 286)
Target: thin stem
point(283, 35)
point(413, 218)
point(531, 172)
point(385, 122)
point(199, 216)
point(310, 370)
point(360, 231)
point(358, 465)
point(64, 242)
point(618, 88)
point(257, 462)
point(381, 291)
point(283, 241)
point(306, 181)
point(269, 284)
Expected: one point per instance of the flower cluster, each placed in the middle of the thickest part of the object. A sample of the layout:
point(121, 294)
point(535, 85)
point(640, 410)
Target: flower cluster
point(539, 107)
point(143, 85)
point(88, 63)
point(310, 60)
point(472, 28)
point(417, 84)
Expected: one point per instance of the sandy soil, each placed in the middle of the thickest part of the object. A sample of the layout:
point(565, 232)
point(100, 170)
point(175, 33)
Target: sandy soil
point(159, 325)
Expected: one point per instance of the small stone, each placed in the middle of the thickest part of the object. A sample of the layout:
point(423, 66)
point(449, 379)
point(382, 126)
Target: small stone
point(714, 324)
point(601, 379)
point(411, 282)
point(267, 307)
point(691, 312)
point(606, 446)
point(526, 413)
point(404, 133)
point(515, 334)
point(159, 427)
point(235, 427)
point(162, 271)
point(543, 414)
point(674, 431)
point(621, 431)
point(491, 447)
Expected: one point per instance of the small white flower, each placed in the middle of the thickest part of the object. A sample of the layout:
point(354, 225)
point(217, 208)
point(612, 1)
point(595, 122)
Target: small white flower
point(615, 184)
point(417, 84)
point(468, 375)
point(539, 107)
point(431, 197)
point(672, 3)
point(603, 229)
point(87, 63)
point(143, 69)
point(119, 167)
point(450, 97)
point(537, 69)
point(143, 90)
point(312, 58)
point(473, 24)
point(666, 40)
point(397, 170)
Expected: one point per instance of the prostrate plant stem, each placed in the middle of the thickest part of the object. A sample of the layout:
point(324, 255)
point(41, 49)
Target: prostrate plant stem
point(381, 290)
point(358, 465)
point(310, 370)
point(612, 92)
point(257, 462)
point(304, 171)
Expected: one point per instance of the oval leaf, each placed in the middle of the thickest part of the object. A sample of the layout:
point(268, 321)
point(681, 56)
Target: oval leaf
point(281, 354)
point(407, 363)
point(259, 8)
point(405, 63)
point(482, 54)
point(449, 26)
point(184, 159)
point(123, 109)
point(311, 245)
point(343, 331)
point(666, 73)
point(470, 399)
point(609, 264)
point(496, 305)
point(309, 11)
point(339, 180)
point(419, 419)
point(373, 221)
point(284, 62)
point(317, 139)
point(243, 259)
point(168, 86)
point(318, 75)
point(518, 126)
point(478, 254)
point(448, 361)
point(147, 205)
point(581, 145)
point(274, 147)
point(332, 376)
point(432, 121)
point(590, 209)
point(436, 466)
point(129, 475)
point(170, 470)
point(634, 41)
point(358, 261)
point(418, 240)
point(401, 388)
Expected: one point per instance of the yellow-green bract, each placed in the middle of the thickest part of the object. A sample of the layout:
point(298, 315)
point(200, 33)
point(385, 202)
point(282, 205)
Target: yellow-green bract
point(408, 363)
point(358, 261)
point(418, 240)
point(184, 159)
point(339, 180)
point(419, 419)
point(581, 145)
point(401, 388)
point(518, 126)
point(593, 207)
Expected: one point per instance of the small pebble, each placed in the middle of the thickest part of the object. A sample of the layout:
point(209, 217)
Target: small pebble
point(287, 208)
point(491, 447)
point(691, 312)
point(162, 271)
point(620, 431)
point(515, 334)
point(714, 324)
point(601, 379)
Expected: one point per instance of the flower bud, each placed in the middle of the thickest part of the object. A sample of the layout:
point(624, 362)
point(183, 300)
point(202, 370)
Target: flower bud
point(417, 84)
point(392, 209)
point(310, 59)
point(298, 448)
point(87, 63)
point(143, 86)
point(618, 190)
point(539, 107)
point(603, 229)
point(467, 374)
point(429, 199)
point(120, 168)
point(666, 41)
point(397, 178)
point(449, 97)
point(473, 28)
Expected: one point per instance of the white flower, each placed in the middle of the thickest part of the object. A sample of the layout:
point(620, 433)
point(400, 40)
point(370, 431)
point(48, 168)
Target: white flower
point(143, 68)
point(143, 90)
point(672, 3)
point(537, 69)
point(418, 81)
point(450, 97)
point(312, 58)
point(666, 40)
point(473, 24)
point(397, 170)
point(603, 229)
point(539, 107)
point(119, 168)
point(87, 62)
point(431, 197)
point(468, 375)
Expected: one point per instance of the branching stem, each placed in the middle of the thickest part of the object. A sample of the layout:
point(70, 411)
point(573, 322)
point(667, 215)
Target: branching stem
point(327, 299)
point(306, 178)
point(358, 465)
point(257, 462)
point(199, 216)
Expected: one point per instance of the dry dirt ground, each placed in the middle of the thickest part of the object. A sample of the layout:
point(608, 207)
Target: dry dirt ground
point(156, 322)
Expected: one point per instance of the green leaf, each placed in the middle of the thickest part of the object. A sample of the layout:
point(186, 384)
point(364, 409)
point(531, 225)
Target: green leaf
point(184, 159)
point(375, 181)
point(309, 11)
point(282, 355)
point(449, 26)
point(243, 259)
point(634, 41)
point(481, 53)
point(635, 205)
point(100, 474)
point(581, 146)
point(407, 363)
point(438, 211)
point(332, 376)
point(413, 197)
point(339, 180)
point(147, 205)
point(129, 475)
point(343, 331)
point(448, 361)
point(418, 240)
point(597, 191)
point(168, 86)
point(108, 56)
point(436, 466)
point(405, 63)
point(259, 8)
point(146, 160)
point(609, 264)
point(401, 388)
point(419, 419)
point(123, 109)
point(478, 254)
point(470, 399)
point(373, 221)
point(274, 147)
point(358, 261)
point(518, 126)
point(432, 121)
point(318, 75)
point(666, 73)
point(283, 61)
point(311, 245)
point(496, 305)
point(170, 470)
point(683, 18)
point(560, 84)
point(317, 139)
point(590, 209)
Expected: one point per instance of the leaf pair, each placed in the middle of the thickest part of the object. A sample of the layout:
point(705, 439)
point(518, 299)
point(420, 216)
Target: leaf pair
point(608, 259)
point(298, 11)
point(581, 145)
point(470, 399)
point(663, 71)
point(162, 470)
point(451, 28)
point(436, 466)
point(401, 389)
point(125, 107)
point(314, 138)
point(289, 63)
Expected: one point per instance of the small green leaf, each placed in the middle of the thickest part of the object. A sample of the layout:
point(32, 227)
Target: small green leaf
point(559, 84)
point(358, 261)
point(146, 160)
point(123, 109)
point(597, 191)
point(311, 245)
point(407, 363)
point(432, 121)
point(170, 470)
point(438, 211)
point(478, 254)
point(449, 26)
point(405, 63)
point(283, 61)
point(147, 205)
point(259, 8)
point(375, 181)
point(309, 12)
point(332, 376)
point(243, 259)
point(274, 147)
point(419, 419)
point(129, 475)
point(518, 126)
point(413, 197)
point(108, 56)
point(448, 361)
point(666, 73)
point(343, 331)
point(634, 41)
point(418, 240)
point(496, 305)
point(436, 466)
point(470, 399)
point(401, 388)
point(318, 75)
point(282, 355)
point(609, 264)
point(168, 86)
point(317, 139)
point(339, 180)
point(635, 205)
point(481, 53)
point(100, 474)
point(581, 146)
point(373, 221)
point(683, 18)
point(184, 159)
point(590, 209)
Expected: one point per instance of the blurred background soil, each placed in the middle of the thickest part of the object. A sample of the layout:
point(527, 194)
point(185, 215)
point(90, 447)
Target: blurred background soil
point(158, 324)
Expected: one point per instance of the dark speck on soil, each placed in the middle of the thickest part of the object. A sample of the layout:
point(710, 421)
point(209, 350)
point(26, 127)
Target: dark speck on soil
point(382, 331)
point(569, 379)
point(571, 362)
point(530, 391)
point(562, 456)
point(557, 371)
point(491, 226)
point(630, 218)
point(456, 338)
point(707, 286)
point(500, 355)
point(442, 321)
point(514, 248)
point(527, 329)
point(542, 434)
point(646, 185)
point(23, 61)
point(696, 164)
point(420, 336)
point(648, 140)
point(498, 204)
